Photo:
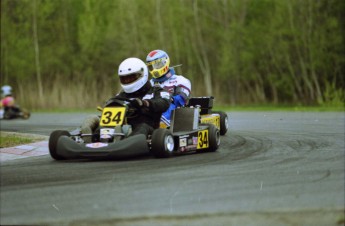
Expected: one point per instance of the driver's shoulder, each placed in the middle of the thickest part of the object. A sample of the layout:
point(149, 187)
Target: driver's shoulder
point(181, 78)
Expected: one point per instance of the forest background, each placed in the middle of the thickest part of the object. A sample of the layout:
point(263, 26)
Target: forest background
point(65, 53)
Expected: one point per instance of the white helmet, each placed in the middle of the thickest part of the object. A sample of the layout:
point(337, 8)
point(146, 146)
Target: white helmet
point(133, 74)
point(6, 90)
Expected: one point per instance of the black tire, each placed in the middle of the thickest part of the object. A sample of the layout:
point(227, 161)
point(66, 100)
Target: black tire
point(224, 123)
point(162, 143)
point(213, 137)
point(53, 139)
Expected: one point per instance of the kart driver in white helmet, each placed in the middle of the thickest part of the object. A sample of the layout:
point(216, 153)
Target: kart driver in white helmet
point(151, 100)
point(179, 87)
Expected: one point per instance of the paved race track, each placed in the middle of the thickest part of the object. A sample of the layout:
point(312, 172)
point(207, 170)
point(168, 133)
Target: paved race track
point(273, 168)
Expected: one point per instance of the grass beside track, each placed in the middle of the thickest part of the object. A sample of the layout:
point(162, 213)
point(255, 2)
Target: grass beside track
point(8, 139)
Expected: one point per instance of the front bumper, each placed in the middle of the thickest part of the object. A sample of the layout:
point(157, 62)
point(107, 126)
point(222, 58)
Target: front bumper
point(133, 146)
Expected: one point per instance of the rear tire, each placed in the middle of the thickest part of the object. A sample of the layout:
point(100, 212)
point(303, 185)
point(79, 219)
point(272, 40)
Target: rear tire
point(214, 138)
point(53, 139)
point(162, 143)
point(224, 122)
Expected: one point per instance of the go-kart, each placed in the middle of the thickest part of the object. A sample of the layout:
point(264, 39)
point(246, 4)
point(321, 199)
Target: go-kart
point(109, 136)
point(14, 112)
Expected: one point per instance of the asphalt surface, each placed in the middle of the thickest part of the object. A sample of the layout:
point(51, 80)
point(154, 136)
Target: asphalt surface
point(272, 168)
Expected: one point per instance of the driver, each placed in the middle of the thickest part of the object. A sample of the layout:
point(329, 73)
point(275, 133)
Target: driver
point(178, 86)
point(10, 109)
point(151, 101)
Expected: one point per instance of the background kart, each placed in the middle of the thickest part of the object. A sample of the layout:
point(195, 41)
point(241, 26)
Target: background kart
point(109, 136)
point(14, 113)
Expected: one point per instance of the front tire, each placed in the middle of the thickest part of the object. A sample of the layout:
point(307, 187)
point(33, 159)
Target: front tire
point(162, 143)
point(53, 139)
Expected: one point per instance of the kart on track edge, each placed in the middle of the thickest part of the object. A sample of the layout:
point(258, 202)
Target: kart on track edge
point(108, 136)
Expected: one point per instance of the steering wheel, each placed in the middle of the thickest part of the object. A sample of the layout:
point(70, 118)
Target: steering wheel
point(132, 111)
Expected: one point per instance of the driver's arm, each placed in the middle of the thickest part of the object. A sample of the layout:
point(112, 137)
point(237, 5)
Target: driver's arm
point(159, 100)
point(182, 92)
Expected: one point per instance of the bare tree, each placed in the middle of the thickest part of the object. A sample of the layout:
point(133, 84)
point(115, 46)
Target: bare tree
point(203, 59)
point(37, 52)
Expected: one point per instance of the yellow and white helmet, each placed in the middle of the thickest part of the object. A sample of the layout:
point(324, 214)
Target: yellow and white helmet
point(158, 63)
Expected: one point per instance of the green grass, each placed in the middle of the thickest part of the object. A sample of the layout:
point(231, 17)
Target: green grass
point(15, 139)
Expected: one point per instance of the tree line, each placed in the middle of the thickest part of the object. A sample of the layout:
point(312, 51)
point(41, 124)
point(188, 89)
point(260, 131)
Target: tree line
point(65, 53)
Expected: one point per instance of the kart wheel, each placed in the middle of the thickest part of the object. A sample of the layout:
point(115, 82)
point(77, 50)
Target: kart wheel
point(224, 122)
point(214, 138)
point(53, 139)
point(162, 143)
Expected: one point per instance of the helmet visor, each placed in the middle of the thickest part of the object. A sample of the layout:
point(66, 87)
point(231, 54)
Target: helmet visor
point(156, 64)
point(128, 79)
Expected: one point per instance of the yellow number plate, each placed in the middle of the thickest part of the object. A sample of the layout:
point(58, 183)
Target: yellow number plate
point(203, 141)
point(113, 116)
point(211, 120)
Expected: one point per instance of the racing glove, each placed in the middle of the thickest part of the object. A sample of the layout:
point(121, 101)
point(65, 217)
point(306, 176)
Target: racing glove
point(178, 100)
point(138, 103)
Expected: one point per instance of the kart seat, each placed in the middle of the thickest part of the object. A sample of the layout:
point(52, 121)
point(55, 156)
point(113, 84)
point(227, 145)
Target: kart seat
point(184, 119)
point(205, 103)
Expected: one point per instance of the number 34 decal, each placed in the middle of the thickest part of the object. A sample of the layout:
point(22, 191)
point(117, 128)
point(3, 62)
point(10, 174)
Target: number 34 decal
point(202, 139)
point(113, 116)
